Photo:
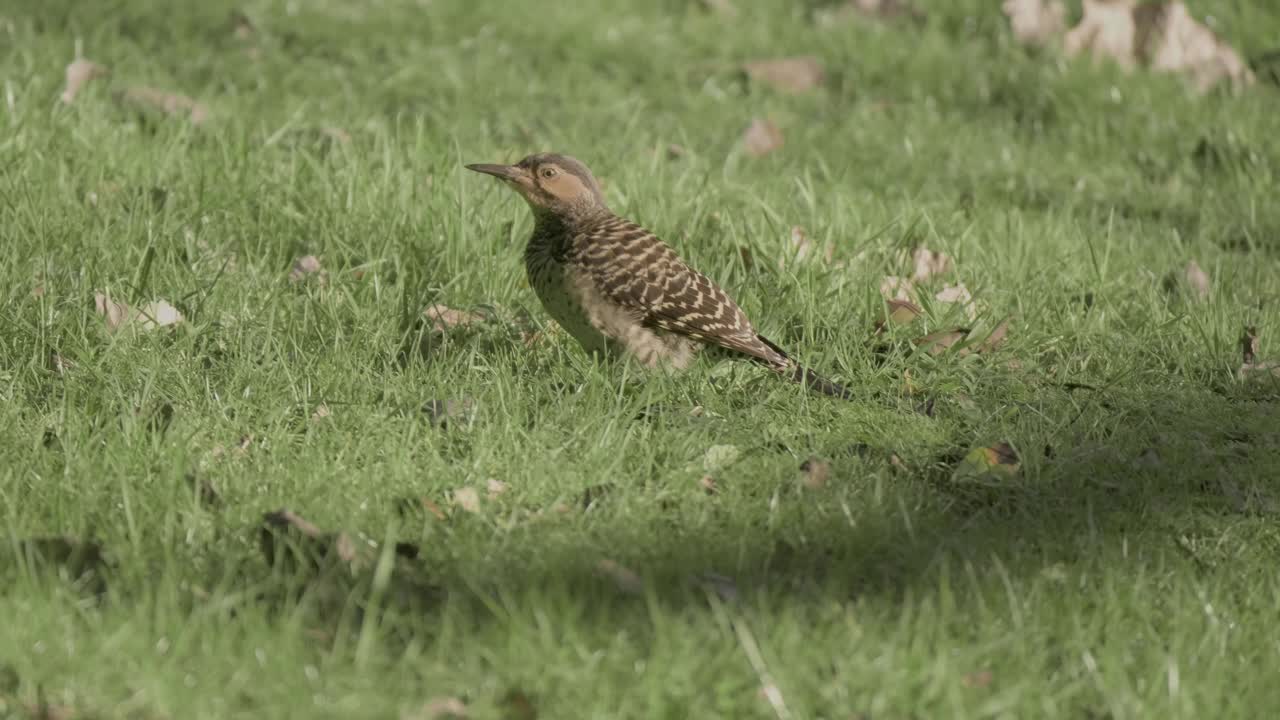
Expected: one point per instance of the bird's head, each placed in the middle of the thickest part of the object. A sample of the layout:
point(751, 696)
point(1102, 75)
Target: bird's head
point(556, 186)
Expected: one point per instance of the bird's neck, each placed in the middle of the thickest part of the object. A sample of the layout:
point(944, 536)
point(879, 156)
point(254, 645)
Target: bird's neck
point(549, 224)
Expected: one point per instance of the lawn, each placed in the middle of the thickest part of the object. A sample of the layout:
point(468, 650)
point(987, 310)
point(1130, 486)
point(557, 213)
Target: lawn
point(505, 528)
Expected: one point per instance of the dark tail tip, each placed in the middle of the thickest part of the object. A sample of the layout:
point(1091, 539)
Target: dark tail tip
point(819, 384)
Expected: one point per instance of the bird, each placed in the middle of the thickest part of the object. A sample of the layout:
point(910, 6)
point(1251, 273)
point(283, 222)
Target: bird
point(621, 291)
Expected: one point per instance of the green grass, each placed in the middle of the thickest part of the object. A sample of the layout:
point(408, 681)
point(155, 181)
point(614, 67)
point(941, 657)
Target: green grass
point(1127, 570)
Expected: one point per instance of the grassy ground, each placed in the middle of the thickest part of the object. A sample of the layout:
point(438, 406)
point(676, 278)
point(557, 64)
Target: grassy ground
point(1126, 570)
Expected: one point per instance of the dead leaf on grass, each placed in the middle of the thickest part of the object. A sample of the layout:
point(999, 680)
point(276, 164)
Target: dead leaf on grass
point(996, 338)
point(321, 412)
point(1036, 22)
point(626, 579)
point(789, 75)
point(79, 73)
point(979, 679)
point(999, 459)
point(1161, 35)
point(149, 317)
point(761, 137)
point(441, 708)
point(958, 294)
point(304, 267)
point(926, 263)
point(899, 312)
point(936, 343)
point(495, 488)
point(444, 318)
point(466, 498)
point(169, 103)
point(893, 287)
point(725, 8)
point(814, 473)
point(708, 485)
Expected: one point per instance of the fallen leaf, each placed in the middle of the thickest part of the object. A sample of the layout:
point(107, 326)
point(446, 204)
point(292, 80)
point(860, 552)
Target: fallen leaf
point(996, 338)
point(438, 708)
point(902, 312)
point(1036, 22)
point(936, 343)
point(999, 459)
point(979, 679)
point(893, 287)
point(789, 75)
point(466, 498)
point(444, 318)
point(958, 294)
point(626, 580)
point(814, 473)
point(304, 267)
point(495, 488)
point(926, 263)
point(169, 103)
point(761, 137)
point(721, 7)
point(708, 485)
point(1161, 35)
point(322, 412)
point(79, 73)
point(149, 317)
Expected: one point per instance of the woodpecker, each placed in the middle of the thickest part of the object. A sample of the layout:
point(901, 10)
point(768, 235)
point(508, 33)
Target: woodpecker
point(618, 289)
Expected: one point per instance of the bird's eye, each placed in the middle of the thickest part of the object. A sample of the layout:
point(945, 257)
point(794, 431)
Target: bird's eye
point(548, 172)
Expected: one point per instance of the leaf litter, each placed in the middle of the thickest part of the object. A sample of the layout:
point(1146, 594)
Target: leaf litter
point(78, 74)
point(118, 314)
point(761, 138)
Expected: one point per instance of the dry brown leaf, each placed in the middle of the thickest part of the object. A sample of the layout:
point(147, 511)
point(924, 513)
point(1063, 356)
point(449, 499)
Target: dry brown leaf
point(443, 317)
point(1162, 35)
point(761, 137)
point(1172, 41)
point(814, 473)
point(1000, 458)
point(936, 343)
point(174, 104)
point(440, 708)
point(926, 263)
point(898, 312)
point(1036, 22)
point(721, 7)
point(626, 579)
point(958, 294)
point(789, 75)
point(304, 267)
point(79, 73)
point(495, 488)
point(322, 412)
point(708, 485)
point(996, 338)
point(466, 498)
point(893, 287)
point(149, 317)
point(979, 679)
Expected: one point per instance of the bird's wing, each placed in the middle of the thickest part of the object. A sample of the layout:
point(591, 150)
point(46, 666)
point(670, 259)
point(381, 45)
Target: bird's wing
point(638, 271)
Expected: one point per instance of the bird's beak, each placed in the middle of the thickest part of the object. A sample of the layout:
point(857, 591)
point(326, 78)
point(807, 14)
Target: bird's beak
point(508, 173)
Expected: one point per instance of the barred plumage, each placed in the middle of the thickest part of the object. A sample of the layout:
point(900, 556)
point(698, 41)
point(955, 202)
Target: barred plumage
point(617, 288)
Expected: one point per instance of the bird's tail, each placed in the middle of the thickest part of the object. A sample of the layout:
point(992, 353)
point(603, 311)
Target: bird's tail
point(793, 371)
